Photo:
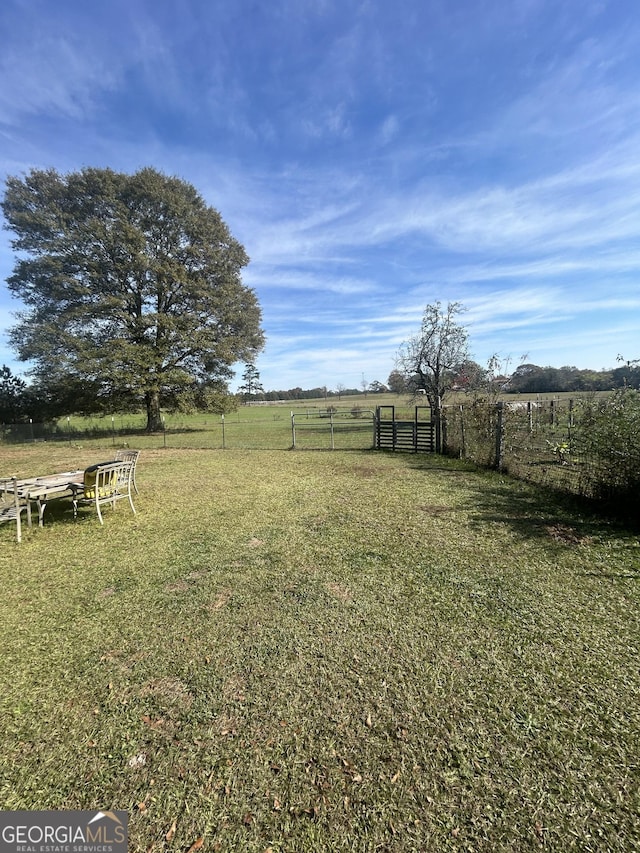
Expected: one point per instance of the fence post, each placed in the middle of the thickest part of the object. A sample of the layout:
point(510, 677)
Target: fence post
point(462, 447)
point(500, 436)
point(293, 430)
point(223, 436)
point(439, 426)
point(331, 425)
point(445, 427)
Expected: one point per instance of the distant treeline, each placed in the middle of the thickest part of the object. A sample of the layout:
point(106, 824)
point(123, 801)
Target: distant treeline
point(311, 393)
point(526, 379)
point(531, 379)
point(21, 403)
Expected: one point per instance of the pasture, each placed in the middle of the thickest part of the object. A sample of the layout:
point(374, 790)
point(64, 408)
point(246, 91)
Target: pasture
point(316, 651)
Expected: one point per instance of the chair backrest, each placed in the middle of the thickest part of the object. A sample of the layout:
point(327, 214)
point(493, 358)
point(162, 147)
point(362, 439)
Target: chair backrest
point(127, 456)
point(105, 479)
point(8, 495)
point(12, 504)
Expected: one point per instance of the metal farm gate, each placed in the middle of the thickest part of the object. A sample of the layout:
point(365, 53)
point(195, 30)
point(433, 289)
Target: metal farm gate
point(415, 436)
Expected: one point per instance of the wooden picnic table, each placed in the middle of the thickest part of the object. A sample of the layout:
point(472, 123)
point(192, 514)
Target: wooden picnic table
point(108, 482)
point(43, 489)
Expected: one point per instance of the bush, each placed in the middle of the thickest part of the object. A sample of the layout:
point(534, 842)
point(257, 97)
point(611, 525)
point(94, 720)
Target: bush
point(607, 435)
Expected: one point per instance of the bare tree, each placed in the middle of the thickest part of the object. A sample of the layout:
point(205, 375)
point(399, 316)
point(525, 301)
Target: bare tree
point(429, 359)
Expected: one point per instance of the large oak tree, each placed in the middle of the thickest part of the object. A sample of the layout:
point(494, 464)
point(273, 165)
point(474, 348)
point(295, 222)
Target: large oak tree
point(132, 287)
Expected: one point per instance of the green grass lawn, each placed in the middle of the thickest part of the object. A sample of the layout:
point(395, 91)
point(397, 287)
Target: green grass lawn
point(316, 651)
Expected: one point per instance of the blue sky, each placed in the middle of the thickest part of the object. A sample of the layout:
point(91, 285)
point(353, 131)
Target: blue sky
point(372, 157)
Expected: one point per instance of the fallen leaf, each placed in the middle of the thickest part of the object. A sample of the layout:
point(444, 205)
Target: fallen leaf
point(277, 805)
point(247, 819)
point(171, 832)
point(153, 724)
point(369, 722)
point(197, 844)
point(395, 777)
point(142, 807)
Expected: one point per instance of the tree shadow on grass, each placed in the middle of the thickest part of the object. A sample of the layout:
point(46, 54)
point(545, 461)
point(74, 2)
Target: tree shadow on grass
point(533, 511)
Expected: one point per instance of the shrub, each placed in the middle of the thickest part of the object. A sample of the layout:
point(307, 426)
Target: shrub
point(607, 436)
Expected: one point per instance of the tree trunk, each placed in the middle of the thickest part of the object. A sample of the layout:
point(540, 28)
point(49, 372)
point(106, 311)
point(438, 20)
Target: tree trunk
point(154, 418)
point(436, 417)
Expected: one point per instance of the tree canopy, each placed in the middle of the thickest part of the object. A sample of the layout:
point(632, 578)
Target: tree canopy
point(12, 396)
point(132, 287)
point(251, 381)
point(430, 359)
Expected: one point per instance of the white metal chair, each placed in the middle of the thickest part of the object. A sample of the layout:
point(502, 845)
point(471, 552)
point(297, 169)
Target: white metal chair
point(129, 456)
point(104, 484)
point(12, 504)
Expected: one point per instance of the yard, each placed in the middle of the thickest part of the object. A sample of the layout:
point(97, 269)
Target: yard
point(317, 651)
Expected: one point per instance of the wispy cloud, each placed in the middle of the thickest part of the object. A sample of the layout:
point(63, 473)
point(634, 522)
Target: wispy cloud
point(369, 161)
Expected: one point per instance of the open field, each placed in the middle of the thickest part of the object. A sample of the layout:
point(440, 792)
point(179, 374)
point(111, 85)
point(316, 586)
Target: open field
point(309, 651)
point(265, 426)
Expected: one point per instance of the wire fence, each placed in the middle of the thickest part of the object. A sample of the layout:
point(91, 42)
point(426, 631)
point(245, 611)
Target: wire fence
point(307, 429)
point(585, 447)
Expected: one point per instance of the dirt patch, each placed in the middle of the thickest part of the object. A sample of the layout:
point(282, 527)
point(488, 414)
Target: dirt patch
point(178, 586)
point(195, 576)
point(340, 592)
point(171, 691)
point(221, 599)
point(566, 535)
point(106, 593)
